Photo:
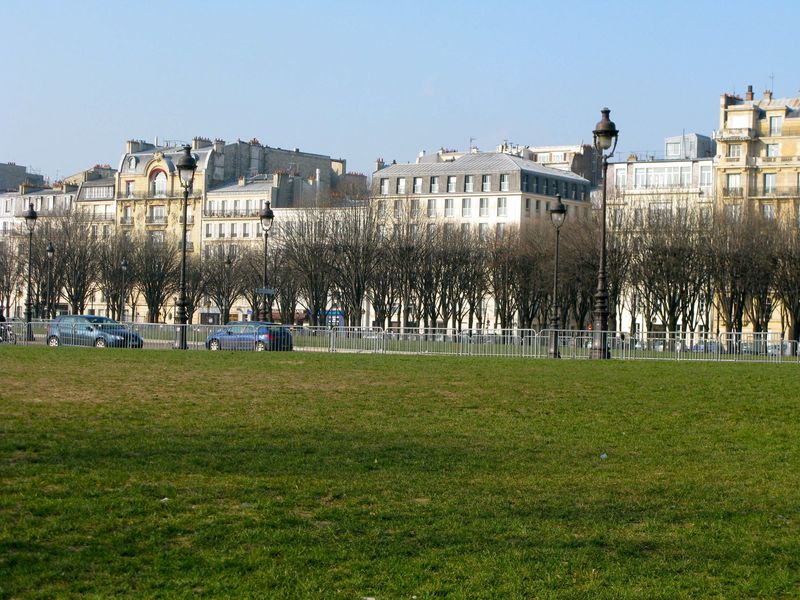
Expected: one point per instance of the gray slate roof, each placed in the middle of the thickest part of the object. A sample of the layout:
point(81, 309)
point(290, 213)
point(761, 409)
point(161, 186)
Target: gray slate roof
point(476, 164)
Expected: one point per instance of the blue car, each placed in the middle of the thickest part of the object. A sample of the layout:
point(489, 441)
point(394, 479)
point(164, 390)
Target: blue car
point(91, 330)
point(254, 335)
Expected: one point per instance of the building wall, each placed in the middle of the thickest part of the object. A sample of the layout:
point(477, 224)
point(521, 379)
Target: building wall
point(12, 175)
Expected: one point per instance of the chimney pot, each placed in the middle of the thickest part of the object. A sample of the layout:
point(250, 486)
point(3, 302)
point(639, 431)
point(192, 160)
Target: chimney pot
point(749, 94)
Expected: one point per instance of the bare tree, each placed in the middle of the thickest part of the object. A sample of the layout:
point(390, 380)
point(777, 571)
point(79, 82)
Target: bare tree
point(787, 276)
point(78, 258)
point(224, 278)
point(156, 271)
point(355, 259)
point(110, 275)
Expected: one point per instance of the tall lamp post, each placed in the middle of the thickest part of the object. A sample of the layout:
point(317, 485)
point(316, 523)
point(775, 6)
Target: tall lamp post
point(605, 138)
point(30, 222)
point(557, 215)
point(48, 308)
point(124, 267)
point(267, 218)
point(186, 168)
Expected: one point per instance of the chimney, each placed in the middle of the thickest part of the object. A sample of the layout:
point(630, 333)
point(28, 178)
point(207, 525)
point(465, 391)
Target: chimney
point(242, 180)
point(219, 145)
point(379, 164)
point(133, 146)
point(749, 94)
point(767, 94)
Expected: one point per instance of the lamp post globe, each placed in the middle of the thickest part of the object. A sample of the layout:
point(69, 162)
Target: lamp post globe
point(267, 220)
point(605, 135)
point(186, 166)
point(557, 215)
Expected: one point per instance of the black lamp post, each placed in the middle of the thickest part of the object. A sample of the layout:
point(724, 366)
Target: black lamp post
point(605, 138)
point(186, 168)
point(557, 215)
point(267, 218)
point(124, 267)
point(30, 222)
point(227, 307)
point(48, 309)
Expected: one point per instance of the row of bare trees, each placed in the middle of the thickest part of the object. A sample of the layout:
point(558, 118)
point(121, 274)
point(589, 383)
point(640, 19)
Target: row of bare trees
point(669, 269)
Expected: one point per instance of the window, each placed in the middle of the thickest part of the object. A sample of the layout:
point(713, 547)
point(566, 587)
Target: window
point(620, 178)
point(129, 189)
point(500, 229)
point(659, 212)
point(434, 185)
point(673, 149)
point(768, 210)
point(466, 207)
point(157, 237)
point(483, 229)
point(538, 205)
point(501, 207)
point(524, 182)
point(544, 186)
point(734, 150)
point(705, 175)
point(617, 217)
point(414, 207)
point(772, 150)
point(770, 181)
point(542, 157)
point(705, 214)
point(208, 230)
point(535, 185)
point(384, 186)
point(734, 181)
point(431, 208)
point(483, 209)
point(527, 207)
point(465, 229)
point(451, 183)
point(233, 230)
point(381, 208)
point(398, 209)
point(245, 229)
point(221, 230)
point(106, 231)
point(775, 125)
point(486, 183)
point(733, 211)
point(417, 185)
point(504, 183)
point(401, 185)
point(469, 183)
point(557, 157)
point(158, 184)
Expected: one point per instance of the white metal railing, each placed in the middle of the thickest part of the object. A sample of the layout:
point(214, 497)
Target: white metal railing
point(571, 344)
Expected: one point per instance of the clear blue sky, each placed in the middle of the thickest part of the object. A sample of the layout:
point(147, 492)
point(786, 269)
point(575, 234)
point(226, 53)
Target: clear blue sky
point(360, 80)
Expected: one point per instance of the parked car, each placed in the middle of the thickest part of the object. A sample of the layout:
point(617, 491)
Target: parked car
point(252, 335)
point(707, 348)
point(91, 330)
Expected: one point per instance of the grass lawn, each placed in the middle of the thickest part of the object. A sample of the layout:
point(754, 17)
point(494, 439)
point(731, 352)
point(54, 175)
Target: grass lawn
point(312, 475)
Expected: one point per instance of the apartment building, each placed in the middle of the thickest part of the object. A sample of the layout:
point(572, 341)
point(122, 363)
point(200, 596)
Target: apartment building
point(758, 154)
point(481, 191)
point(647, 189)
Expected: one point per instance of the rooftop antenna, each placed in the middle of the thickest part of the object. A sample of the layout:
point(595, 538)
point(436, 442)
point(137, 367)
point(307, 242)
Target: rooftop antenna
point(772, 82)
point(472, 139)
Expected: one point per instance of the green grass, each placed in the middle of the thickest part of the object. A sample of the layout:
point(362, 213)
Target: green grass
point(313, 475)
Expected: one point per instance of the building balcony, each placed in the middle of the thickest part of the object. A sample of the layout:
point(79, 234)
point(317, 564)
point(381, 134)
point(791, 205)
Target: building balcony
point(156, 220)
point(189, 219)
point(733, 192)
point(233, 212)
point(190, 246)
point(788, 191)
point(126, 220)
point(102, 218)
point(736, 134)
point(176, 195)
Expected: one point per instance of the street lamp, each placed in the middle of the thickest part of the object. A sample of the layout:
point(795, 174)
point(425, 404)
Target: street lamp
point(124, 267)
point(267, 218)
point(605, 138)
point(30, 222)
point(557, 215)
point(187, 165)
point(51, 252)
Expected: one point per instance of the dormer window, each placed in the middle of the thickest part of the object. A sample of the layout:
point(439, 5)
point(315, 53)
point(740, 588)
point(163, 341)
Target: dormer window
point(132, 163)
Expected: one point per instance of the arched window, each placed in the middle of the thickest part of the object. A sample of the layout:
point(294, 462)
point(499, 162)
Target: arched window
point(158, 184)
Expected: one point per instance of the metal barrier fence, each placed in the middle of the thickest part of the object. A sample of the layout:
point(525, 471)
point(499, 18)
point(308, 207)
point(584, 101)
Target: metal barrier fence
point(571, 344)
